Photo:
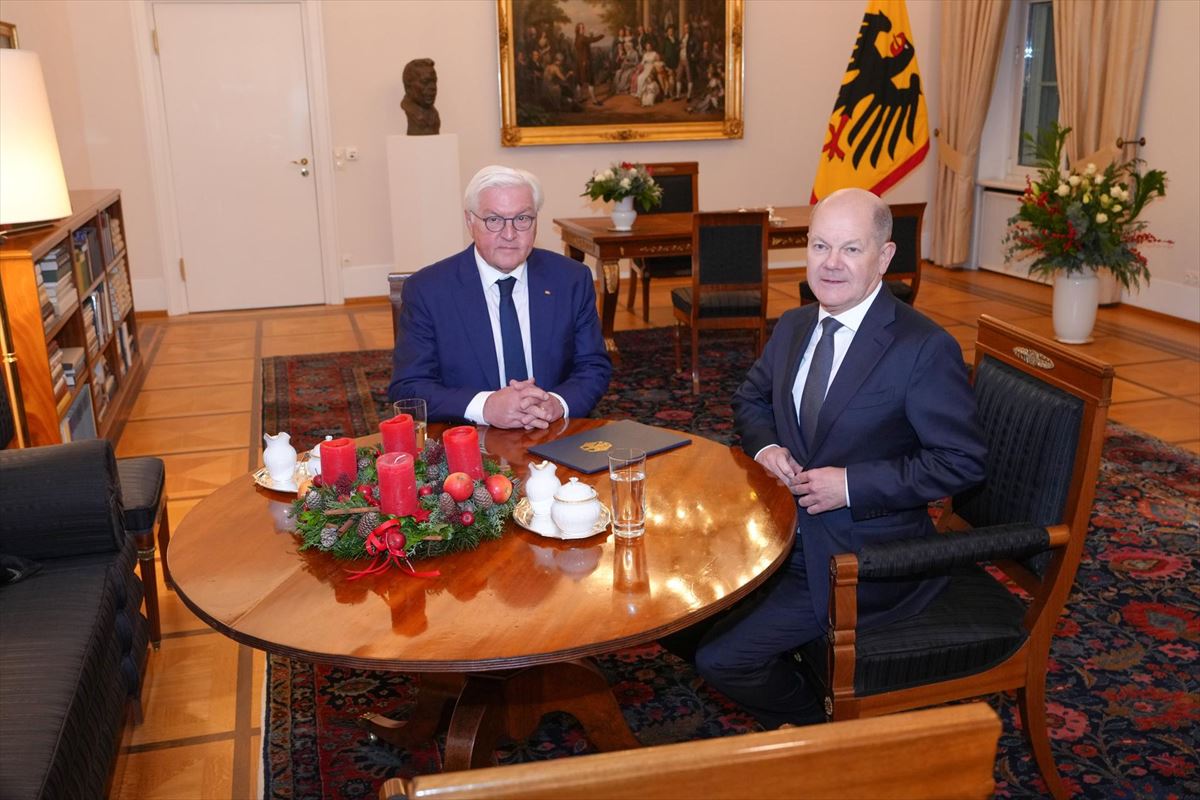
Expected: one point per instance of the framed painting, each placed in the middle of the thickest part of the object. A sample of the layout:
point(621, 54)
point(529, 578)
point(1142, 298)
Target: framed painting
point(8, 36)
point(582, 71)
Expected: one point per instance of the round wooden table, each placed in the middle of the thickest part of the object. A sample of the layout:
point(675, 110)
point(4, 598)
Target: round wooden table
point(509, 625)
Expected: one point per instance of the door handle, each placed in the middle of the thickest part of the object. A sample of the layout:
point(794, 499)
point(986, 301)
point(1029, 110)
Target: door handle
point(302, 162)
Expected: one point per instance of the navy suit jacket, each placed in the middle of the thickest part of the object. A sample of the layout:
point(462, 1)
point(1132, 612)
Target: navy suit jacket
point(899, 416)
point(445, 352)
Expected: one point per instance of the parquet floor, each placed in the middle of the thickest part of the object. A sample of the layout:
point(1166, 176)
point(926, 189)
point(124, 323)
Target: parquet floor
point(198, 410)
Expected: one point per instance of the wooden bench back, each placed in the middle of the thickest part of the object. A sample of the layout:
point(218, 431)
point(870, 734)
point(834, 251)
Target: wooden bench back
point(940, 752)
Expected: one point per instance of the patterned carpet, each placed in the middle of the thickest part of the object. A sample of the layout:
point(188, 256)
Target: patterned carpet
point(1124, 673)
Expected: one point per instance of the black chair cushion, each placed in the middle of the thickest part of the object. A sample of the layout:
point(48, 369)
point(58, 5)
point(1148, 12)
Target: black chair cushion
point(970, 627)
point(736, 303)
point(667, 266)
point(142, 482)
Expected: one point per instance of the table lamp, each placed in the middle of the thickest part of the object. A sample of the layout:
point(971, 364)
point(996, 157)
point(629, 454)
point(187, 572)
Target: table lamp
point(33, 188)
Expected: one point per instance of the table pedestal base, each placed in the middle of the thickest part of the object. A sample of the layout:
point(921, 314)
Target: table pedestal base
point(510, 703)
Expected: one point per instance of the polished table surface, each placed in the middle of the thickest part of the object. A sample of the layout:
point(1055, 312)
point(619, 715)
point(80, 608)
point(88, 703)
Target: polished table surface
point(654, 235)
point(718, 525)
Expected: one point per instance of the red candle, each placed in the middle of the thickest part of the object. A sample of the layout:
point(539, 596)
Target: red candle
point(399, 435)
point(338, 457)
point(397, 484)
point(462, 451)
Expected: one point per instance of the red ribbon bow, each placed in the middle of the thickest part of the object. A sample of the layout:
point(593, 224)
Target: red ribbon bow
point(387, 544)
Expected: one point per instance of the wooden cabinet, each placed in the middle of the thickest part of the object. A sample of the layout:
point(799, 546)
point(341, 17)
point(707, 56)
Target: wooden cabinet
point(68, 300)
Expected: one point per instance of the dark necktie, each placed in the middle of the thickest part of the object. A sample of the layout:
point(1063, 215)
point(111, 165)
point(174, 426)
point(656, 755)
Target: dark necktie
point(818, 380)
point(510, 333)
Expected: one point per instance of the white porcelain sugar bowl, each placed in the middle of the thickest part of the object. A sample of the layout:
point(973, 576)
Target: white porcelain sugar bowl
point(576, 508)
point(541, 487)
point(313, 465)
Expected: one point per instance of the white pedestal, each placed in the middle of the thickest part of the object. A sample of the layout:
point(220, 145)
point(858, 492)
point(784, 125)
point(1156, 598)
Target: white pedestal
point(426, 199)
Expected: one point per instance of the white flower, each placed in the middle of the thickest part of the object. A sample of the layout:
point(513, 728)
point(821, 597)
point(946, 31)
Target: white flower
point(1063, 190)
point(1091, 169)
point(1105, 200)
point(1116, 208)
point(1101, 218)
point(1074, 180)
point(625, 183)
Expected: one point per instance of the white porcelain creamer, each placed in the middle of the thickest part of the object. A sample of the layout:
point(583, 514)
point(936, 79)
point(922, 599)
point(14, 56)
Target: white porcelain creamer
point(541, 487)
point(279, 457)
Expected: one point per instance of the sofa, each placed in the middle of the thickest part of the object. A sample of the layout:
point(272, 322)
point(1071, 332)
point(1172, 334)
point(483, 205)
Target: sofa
point(73, 640)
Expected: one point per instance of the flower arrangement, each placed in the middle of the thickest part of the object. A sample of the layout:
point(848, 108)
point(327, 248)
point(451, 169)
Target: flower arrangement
point(454, 513)
point(625, 180)
point(1080, 220)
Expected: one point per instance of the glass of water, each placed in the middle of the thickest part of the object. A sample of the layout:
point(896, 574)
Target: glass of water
point(415, 408)
point(627, 473)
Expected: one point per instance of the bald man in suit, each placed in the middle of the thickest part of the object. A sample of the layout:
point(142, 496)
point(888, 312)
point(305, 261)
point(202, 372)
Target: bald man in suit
point(866, 418)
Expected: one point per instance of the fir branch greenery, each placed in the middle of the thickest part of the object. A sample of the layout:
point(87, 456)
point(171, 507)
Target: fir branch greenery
point(1075, 220)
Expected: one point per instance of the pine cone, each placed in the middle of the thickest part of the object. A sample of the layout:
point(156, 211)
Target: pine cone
point(313, 500)
point(345, 484)
point(483, 498)
point(447, 506)
point(433, 452)
point(437, 472)
point(329, 537)
point(363, 462)
point(466, 505)
point(367, 523)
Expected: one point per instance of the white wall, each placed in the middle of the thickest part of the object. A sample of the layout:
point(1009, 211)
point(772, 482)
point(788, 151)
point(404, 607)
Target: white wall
point(795, 57)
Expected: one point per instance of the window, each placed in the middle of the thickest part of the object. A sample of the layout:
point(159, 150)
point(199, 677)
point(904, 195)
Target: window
point(1039, 83)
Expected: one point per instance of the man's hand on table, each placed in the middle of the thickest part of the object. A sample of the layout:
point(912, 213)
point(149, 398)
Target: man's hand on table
point(521, 404)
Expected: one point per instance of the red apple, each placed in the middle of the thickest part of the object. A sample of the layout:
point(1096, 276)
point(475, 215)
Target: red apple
point(425, 490)
point(499, 487)
point(459, 486)
point(468, 518)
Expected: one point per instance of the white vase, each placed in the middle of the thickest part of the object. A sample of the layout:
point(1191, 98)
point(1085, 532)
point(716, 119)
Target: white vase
point(623, 214)
point(1076, 297)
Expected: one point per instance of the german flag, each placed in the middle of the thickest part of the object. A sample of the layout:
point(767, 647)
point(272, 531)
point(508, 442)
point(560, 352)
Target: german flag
point(878, 131)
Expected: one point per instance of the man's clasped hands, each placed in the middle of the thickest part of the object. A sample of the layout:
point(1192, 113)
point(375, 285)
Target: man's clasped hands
point(522, 404)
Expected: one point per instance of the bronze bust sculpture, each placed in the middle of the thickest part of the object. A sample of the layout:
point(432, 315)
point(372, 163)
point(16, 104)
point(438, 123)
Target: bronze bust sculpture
point(420, 90)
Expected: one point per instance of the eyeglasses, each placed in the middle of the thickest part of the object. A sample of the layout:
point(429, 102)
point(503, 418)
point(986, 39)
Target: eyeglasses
point(495, 224)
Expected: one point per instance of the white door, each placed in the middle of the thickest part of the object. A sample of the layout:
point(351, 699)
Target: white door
point(235, 94)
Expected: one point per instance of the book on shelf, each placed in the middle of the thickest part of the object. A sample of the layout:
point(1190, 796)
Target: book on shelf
point(79, 261)
point(74, 362)
point(106, 242)
point(89, 329)
point(80, 421)
point(118, 239)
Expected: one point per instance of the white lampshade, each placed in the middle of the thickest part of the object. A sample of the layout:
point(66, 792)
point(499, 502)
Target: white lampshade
point(33, 187)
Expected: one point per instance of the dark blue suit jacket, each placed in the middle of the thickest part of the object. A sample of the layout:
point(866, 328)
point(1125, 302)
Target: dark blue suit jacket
point(445, 353)
point(899, 416)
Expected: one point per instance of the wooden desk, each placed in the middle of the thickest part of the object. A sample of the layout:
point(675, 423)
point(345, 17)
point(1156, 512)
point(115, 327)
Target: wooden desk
point(653, 235)
point(519, 616)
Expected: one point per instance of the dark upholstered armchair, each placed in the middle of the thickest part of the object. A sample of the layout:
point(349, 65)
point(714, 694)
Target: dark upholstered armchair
point(729, 280)
point(74, 639)
point(903, 277)
point(1043, 408)
point(680, 182)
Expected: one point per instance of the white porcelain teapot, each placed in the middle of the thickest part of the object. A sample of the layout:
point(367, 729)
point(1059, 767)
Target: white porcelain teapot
point(541, 487)
point(576, 508)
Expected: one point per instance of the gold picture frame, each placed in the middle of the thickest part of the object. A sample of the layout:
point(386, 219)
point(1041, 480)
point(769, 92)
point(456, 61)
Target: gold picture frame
point(546, 97)
point(8, 36)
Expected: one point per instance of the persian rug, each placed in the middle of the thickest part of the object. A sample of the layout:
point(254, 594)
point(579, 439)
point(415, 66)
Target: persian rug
point(1123, 690)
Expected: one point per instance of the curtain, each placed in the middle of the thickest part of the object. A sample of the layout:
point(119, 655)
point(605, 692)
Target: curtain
point(1101, 51)
point(972, 36)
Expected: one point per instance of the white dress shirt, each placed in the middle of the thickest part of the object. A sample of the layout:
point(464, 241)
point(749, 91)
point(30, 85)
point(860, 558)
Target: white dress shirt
point(488, 276)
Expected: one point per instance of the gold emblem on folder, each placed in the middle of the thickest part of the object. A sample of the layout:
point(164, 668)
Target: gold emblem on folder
point(595, 447)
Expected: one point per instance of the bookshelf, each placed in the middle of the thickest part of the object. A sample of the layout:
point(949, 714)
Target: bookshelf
point(69, 303)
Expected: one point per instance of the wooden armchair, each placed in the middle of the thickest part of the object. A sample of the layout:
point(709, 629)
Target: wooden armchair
point(903, 277)
point(942, 752)
point(396, 297)
point(729, 280)
point(680, 182)
point(1043, 408)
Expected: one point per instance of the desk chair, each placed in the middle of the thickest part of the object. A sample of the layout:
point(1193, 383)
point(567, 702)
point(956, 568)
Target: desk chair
point(940, 752)
point(903, 277)
point(396, 297)
point(1043, 409)
point(680, 183)
point(729, 280)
